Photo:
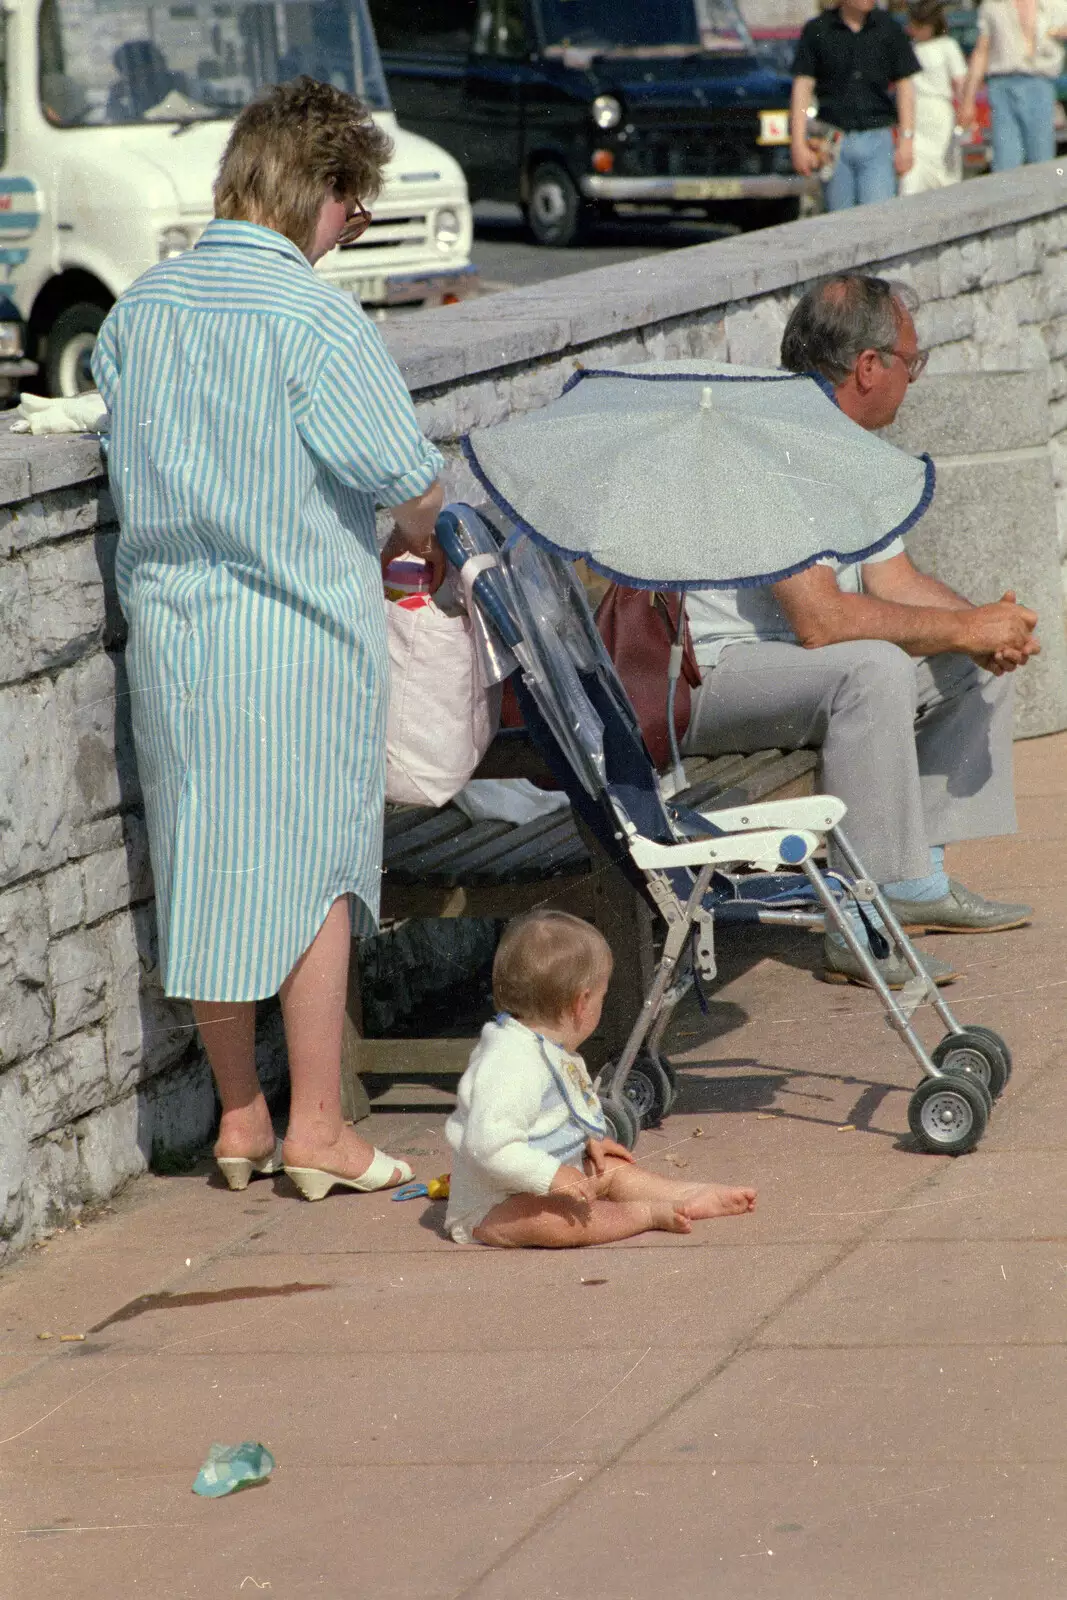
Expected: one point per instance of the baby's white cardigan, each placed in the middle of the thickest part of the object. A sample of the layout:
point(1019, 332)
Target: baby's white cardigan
point(499, 1110)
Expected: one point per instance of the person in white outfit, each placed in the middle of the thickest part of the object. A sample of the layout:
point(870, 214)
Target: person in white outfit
point(938, 87)
point(531, 1161)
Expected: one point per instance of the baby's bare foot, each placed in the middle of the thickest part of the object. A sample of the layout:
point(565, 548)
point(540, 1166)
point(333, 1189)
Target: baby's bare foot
point(666, 1217)
point(716, 1200)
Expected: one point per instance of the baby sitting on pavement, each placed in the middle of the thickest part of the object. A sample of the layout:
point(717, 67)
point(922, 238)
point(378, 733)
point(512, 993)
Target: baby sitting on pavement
point(532, 1163)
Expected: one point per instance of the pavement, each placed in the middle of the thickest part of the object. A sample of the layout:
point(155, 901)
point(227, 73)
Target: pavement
point(857, 1393)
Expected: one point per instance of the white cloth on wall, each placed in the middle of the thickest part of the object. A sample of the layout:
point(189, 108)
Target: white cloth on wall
point(81, 413)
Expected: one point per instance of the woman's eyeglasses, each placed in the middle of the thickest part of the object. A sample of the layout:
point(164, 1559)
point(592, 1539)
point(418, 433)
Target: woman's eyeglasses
point(357, 221)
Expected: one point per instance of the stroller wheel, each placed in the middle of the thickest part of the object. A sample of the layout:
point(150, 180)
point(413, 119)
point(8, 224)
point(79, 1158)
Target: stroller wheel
point(649, 1091)
point(621, 1120)
point(979, 1052)
point(949, 1115)
point(672, 1079)
point(994, 1039)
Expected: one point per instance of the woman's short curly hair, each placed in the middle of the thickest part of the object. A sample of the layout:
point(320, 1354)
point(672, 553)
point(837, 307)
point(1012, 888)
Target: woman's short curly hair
point(292, 146)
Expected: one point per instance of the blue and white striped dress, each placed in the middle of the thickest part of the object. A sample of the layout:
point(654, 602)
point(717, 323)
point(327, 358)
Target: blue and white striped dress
point(256, 419)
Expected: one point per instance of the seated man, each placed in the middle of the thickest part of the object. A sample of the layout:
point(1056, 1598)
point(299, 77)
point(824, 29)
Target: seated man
point(902, 685)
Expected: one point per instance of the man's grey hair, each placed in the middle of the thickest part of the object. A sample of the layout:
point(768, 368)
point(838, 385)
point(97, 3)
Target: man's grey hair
point(841, 316)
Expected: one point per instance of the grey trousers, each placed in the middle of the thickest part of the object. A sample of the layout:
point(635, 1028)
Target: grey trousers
point(919, 750)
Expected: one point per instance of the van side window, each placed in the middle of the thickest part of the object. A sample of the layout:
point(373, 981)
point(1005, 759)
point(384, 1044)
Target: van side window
point(501, 30)
point(431, 27)
point(64, 101)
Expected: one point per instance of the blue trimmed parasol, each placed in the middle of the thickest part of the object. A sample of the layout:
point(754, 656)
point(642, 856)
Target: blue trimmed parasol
point(679, 475)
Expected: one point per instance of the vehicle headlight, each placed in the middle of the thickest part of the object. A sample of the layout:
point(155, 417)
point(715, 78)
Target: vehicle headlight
point(447, 230)
point(10, 340)
point(173, 241)
point(606, 111)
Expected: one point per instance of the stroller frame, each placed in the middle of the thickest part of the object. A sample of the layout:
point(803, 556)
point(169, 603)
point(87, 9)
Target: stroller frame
point(576, 712)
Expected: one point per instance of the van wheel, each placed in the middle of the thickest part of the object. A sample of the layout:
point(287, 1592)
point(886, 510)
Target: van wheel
point(769, 213)
point(71, 341)
point(555, 212)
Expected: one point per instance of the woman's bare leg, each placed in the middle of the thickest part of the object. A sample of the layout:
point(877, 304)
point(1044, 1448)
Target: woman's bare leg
point(313, 1010)
point(552, 1222)
point(227, 1031)
point(625, 1180)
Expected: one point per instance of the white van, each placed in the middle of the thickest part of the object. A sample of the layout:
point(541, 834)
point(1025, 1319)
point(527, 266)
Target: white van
point(115, 114)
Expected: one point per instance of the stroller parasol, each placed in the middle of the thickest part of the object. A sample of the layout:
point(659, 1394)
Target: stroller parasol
point(674, 474)
point(680, 475)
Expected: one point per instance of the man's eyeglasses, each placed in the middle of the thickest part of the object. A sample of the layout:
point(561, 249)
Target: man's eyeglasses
point(357, 221)
point(914, 365)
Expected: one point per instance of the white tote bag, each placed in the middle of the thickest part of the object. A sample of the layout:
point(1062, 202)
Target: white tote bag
point(442, 716)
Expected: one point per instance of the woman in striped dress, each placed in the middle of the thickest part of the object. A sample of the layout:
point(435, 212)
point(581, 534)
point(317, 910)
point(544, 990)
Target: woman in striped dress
point(256, 420)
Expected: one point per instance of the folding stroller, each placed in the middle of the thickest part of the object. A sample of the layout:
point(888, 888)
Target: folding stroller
point(751, 863)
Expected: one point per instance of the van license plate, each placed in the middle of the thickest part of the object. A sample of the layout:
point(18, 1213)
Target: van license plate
point(774, 127)
point(707, 189)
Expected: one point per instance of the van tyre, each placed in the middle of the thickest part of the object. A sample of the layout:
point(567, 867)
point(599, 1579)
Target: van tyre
point(556, 214)
point(770, 213)
point(71, 341)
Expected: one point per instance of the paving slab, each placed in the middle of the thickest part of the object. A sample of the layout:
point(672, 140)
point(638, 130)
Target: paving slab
point(929, 1291)
point(856, 1393)
point(682, 1292)
point(871, 1408)
point(413, 1533)
point(968, 1532)
point(358, 1408)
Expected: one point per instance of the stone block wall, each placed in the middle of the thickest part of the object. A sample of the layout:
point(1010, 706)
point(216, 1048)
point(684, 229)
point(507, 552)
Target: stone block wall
point(99, 1074)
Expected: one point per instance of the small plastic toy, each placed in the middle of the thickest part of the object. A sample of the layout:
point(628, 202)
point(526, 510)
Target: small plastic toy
point(436, 1189)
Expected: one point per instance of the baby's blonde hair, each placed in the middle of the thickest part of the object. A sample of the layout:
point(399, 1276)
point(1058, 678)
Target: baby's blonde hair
point(544, 961)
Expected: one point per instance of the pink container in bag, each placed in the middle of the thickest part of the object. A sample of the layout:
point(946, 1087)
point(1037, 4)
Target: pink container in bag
point(407, 576)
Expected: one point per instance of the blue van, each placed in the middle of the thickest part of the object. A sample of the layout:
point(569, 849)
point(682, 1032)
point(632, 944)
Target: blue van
point(587, 108)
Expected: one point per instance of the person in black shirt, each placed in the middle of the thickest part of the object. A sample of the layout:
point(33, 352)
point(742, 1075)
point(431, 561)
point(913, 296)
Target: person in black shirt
point(853, 58)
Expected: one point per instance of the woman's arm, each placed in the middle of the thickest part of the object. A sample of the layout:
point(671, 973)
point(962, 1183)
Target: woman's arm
point(976, 71)
point(359, 420)
point(414, 531)
point(904, 157)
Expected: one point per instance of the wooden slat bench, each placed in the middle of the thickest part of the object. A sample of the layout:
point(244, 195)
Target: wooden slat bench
point(438, 863)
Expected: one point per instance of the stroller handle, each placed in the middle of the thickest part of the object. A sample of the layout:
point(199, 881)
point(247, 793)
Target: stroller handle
point(463, 537)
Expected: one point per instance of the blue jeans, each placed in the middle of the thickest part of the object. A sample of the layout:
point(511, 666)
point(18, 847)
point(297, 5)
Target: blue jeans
point(864, 173)
point(1022, 105)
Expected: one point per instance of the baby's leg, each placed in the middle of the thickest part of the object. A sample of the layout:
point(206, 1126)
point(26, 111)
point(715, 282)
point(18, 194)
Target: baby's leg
point(554, 1222)
point(624, 1181)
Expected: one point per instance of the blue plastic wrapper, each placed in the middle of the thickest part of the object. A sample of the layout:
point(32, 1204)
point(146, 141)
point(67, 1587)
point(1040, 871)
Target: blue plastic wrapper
point(233, 1466)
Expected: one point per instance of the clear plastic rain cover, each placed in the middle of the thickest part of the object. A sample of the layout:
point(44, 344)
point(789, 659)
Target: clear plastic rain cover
point(560, 643)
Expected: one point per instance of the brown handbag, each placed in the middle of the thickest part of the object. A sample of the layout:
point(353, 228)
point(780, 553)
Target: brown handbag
point(638, 627)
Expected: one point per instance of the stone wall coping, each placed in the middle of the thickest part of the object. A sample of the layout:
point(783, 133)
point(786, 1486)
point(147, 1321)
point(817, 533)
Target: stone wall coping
point(31, 466)
point(478, 337)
